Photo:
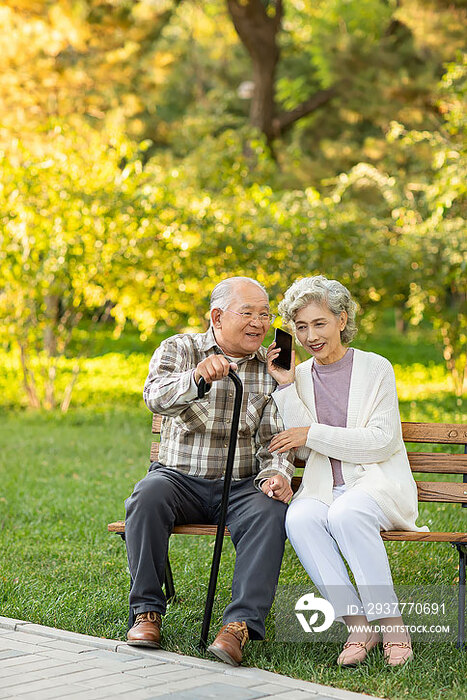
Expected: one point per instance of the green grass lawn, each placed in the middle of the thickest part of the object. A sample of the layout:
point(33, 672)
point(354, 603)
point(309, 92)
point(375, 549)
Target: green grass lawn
point(63, 477)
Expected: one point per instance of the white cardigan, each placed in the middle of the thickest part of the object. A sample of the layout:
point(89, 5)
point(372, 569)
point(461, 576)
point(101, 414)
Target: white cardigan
point(370, 448)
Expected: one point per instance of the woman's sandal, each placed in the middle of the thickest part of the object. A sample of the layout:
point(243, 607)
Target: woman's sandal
point(397, 653)
point(353, 653)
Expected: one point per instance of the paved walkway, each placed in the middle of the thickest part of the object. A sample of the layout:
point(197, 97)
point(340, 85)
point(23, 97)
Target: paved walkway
point(41, 663)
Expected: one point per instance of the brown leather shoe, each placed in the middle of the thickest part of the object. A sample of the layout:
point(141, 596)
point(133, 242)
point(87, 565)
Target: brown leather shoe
point(146, 632)
point(229, 643)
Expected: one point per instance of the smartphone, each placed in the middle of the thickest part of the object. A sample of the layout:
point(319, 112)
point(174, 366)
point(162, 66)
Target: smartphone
point(283, 341)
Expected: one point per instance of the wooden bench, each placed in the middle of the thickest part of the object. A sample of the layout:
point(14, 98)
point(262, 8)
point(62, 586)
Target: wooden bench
point(436, 463)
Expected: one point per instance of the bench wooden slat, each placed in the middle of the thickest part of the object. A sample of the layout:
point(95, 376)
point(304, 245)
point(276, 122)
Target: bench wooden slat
point(441, 492)
point(195, 529)
point(155, 451)
point(408, 536)
point(198, 530)
point(442, 433)
point(156, 423)
point(438, 463)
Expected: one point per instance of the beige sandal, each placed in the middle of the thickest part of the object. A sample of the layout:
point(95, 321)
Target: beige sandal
point(353, 653)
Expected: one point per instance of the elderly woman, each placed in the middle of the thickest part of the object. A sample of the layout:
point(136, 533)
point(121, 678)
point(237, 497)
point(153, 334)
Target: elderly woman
point(341, 412)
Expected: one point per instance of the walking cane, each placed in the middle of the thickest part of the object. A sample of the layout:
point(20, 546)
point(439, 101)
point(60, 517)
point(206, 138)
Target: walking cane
point(216, 557)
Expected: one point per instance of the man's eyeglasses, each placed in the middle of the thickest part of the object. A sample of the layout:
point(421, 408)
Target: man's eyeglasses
point(249, 316)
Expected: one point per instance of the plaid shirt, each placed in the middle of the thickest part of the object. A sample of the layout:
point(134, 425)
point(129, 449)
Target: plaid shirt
point(195, 432)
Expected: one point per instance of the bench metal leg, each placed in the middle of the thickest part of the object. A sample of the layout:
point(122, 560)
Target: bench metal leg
point(462, 549)
point(131, 614)
point(169, 583)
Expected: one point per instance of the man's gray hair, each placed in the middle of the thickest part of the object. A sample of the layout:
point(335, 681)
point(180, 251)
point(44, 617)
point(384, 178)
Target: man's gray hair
point(320, 290)
point(223, 292)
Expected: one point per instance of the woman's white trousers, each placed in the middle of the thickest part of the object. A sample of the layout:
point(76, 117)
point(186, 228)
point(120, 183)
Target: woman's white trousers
point(323, 536)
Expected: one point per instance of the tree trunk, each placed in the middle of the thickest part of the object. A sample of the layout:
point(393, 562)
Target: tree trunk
point(52, 305)
point(65, 405)
point(258, 33)
point(262, 108)
point(399, 320)
point(458, 374)
point(29, 383)
point(49, 386)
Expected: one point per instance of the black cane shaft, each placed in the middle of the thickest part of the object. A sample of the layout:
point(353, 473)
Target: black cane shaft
point(216, 557)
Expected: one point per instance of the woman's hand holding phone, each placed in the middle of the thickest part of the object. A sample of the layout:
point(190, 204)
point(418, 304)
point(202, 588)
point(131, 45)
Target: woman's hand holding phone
point(282, 376)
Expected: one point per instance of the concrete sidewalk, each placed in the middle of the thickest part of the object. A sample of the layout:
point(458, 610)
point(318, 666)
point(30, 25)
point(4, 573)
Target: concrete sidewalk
point(40, 663)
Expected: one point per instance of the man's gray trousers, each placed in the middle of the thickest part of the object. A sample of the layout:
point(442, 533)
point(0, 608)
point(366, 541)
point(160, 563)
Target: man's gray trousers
point(165, 498)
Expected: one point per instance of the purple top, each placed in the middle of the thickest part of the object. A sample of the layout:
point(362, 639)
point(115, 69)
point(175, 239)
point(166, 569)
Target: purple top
point(331, 385)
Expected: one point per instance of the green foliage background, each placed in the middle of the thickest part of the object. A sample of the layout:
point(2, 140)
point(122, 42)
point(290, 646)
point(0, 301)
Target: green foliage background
point(131, 181)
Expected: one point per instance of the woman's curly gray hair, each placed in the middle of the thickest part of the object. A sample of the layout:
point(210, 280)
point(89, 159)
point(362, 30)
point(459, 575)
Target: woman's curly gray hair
point(320, 290)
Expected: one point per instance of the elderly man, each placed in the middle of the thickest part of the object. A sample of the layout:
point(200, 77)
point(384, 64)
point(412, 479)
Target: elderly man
point(186, 484)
